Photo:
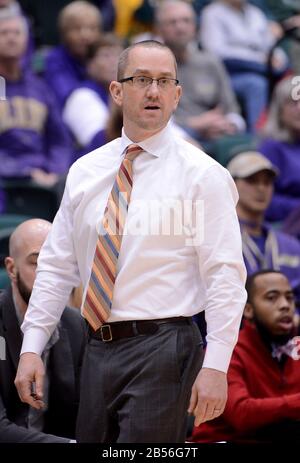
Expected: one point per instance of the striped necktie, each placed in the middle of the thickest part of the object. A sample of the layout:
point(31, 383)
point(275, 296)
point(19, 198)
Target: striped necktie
point(99, 295)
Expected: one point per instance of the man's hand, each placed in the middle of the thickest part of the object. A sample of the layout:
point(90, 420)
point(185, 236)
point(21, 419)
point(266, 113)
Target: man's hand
point(30, 371)
point(43, 178)
point(212, 124)
point(209, 395)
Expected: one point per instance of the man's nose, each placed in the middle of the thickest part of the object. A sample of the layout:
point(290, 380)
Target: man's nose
point(284, 303)
point(85, 33)
point(153, 88)
point(262, 187)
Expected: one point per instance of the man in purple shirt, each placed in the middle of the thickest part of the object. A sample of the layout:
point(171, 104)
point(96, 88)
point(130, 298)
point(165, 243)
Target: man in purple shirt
point(80, 26)
point(34, 143)
point(263, 246)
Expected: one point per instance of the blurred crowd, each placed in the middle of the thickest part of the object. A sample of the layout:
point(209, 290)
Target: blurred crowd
point(239, 67)
point(237, 63)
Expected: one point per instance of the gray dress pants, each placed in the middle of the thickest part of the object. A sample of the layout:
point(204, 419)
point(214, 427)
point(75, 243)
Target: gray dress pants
point(137, 390)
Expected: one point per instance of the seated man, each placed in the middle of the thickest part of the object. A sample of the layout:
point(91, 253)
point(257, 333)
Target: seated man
point(79, 24)
point(264, 375)
point(207, 109)
point(33, 141)
point(13, 7)
point(239, 34)
point(87, 109)
point(263, 247)
point(62, 355)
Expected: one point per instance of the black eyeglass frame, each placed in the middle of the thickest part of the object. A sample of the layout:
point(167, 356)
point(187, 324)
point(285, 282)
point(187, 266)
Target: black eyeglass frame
point(127, 79)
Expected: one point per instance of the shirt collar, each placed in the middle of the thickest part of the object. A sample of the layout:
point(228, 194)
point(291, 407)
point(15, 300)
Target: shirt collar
point(155, 145)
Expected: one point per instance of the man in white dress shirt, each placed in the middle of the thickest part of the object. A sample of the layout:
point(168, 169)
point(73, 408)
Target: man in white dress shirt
point(142, 372)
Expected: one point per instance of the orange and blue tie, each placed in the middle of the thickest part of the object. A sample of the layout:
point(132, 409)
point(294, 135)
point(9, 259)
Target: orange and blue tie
point(99, 296)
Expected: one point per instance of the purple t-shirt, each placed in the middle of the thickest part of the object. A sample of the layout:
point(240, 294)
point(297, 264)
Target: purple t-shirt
point(32, 134)
point(63, 73)
point(285, 156)
point(288, 255)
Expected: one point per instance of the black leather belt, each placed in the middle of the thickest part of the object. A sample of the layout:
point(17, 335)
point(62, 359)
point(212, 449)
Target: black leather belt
point(127, 329)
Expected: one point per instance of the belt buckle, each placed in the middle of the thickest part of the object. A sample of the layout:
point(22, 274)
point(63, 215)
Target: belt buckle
point(103, 333)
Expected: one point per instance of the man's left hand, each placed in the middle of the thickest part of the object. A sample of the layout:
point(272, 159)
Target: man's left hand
point(209, 395)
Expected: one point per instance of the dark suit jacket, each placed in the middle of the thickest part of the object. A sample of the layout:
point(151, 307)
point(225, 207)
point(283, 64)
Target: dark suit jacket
point(64, 369)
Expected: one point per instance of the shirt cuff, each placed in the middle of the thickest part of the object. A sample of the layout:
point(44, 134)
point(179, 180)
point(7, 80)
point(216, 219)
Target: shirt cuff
point(217, 356)
point(34, 340)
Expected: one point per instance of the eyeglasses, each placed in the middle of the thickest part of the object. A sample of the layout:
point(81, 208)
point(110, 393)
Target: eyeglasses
point(142, 81)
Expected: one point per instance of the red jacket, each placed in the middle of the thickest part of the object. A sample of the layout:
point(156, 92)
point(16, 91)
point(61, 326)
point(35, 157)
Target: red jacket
point(260, 392)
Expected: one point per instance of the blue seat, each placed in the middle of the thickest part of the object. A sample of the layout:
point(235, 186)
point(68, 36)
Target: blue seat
point(226, 147)
point(4, 280)
point(12, 220)
point(4, 243)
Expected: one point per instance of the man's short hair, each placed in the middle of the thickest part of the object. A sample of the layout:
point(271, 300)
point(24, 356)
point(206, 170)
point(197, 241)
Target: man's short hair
point(250, 283)
point(124, 57)
point(74, 8)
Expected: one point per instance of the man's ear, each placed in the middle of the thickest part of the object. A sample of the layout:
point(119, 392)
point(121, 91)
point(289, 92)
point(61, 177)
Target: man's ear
point(177, 95)
point(116, 92)
point(11, 268)
point(248, 311)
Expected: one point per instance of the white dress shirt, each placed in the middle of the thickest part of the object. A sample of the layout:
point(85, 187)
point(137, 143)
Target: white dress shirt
point(163, 271)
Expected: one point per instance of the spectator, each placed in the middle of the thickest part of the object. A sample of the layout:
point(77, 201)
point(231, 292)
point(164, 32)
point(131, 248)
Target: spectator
point(65, 68)
point(263, 247)
point(239, 34)
point(43, 15)
point(87, 109)
point(282, 147)
point(62, 356)
point(13, 8)
point(263, 378)
point(33, 141)
point(207, 109)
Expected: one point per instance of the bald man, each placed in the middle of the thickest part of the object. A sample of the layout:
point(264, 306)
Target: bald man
point(62, 355)
point(80, 26)
point(207, 108)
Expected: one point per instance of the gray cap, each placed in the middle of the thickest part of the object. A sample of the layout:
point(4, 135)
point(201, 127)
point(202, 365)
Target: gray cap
point(249, 163)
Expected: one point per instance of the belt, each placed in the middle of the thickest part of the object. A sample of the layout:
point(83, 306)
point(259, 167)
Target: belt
point(127, 329)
